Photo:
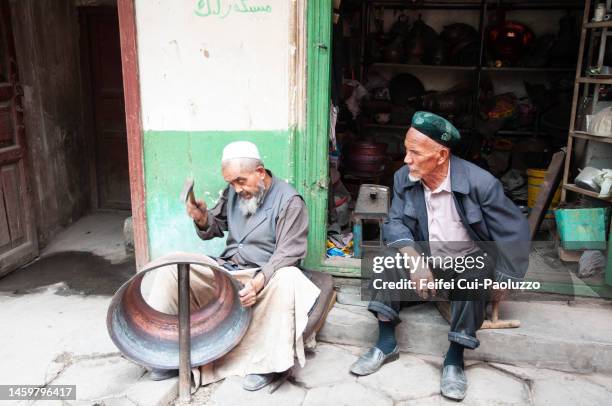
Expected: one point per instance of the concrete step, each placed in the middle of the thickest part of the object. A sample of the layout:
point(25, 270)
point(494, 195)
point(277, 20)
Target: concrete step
point(554, 335)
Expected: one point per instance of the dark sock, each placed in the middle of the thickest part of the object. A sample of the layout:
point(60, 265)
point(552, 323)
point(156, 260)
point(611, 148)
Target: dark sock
point(386, 336)
point(454, 356)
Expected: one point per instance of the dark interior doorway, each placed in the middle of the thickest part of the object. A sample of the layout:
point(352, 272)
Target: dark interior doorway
point(104, 83)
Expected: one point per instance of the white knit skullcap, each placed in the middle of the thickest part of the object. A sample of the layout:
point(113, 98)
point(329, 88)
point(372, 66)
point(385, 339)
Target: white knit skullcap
point(240, 149)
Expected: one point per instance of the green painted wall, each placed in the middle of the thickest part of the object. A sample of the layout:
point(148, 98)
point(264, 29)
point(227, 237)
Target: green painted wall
point(172, 156)
point(299, 156)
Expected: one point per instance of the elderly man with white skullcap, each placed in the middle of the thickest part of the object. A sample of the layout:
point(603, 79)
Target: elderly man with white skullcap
point(267, 225)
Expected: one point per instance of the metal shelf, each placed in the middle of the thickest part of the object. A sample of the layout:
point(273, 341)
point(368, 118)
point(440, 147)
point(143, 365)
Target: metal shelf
point(535, 5)
point(400, 127)
point(506, 133)
point(586, 136)
point(519, 133)
point(522, 69)
point(387, 126)
point(475, 5)
point(405, 66)
point(599, 24)
point(595, 81)
point(440, 4)
point(574, 188)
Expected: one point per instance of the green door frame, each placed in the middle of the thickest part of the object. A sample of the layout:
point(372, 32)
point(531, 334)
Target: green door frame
point(311, 147)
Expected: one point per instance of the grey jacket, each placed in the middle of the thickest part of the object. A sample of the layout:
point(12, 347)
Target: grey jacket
point(485, 211)
point(275, 236)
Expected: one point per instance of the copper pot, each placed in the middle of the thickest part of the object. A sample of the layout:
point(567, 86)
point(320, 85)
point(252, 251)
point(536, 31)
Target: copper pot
point(509, 40)
point(367, 157)
point(150, 338)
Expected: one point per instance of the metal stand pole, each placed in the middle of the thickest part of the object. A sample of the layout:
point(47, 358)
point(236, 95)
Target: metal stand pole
point(184, 334)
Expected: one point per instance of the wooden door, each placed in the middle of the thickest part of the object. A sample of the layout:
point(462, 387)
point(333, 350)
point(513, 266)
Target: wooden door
point(108, 107)
point(18, 243)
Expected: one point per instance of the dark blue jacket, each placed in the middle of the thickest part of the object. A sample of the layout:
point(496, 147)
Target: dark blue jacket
point(485, 211)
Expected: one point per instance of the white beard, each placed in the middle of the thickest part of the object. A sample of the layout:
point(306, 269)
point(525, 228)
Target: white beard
point(248, 207)
point(413, 178)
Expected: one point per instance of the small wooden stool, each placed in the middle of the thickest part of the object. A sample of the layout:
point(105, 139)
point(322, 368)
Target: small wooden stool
point(493, 322)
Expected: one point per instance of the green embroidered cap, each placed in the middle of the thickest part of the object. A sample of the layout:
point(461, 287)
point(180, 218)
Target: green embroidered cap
point(437, 128)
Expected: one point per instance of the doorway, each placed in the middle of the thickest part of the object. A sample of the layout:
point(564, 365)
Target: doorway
point(373, 58)
point(103, 81)
point(18, 242)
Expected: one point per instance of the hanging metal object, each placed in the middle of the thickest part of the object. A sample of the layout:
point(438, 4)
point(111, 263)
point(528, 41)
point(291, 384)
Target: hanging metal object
point(151, 338)
point(509, 40)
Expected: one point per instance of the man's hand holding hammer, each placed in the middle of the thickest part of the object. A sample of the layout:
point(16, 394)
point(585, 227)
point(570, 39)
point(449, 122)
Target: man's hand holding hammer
point(198, 211)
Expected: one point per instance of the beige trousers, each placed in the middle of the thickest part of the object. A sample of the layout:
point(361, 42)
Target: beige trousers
point(274, 337)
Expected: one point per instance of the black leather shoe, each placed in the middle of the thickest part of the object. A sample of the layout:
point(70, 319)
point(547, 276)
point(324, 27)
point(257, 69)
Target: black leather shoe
point(162, 374)
point(372, 360)
point(453, 384)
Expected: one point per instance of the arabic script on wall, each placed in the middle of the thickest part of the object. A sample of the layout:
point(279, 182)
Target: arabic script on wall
point(223, 8)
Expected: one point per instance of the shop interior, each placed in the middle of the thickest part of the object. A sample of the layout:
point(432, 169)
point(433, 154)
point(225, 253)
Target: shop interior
point(503, 72)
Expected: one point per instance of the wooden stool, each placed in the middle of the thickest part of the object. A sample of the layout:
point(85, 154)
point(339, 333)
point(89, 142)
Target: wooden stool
point(493, 322)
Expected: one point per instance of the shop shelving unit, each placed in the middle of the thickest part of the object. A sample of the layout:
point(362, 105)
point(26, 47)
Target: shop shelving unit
point(481, 6)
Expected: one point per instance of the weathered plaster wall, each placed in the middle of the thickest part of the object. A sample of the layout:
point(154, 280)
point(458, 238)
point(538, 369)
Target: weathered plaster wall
point(226, 71)
point(47, 43)
point(211, 72)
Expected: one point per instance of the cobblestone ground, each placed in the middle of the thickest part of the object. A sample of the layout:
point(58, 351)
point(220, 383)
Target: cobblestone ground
point(412, 380)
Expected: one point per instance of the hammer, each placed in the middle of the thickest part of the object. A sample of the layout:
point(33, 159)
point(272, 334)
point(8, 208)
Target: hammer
point(187, 192)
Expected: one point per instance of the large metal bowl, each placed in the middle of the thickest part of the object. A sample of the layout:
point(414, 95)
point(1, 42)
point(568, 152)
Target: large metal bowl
point(151, 338)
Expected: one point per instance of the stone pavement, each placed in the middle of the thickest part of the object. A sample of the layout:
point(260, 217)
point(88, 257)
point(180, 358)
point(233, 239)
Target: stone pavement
point(53, 316)
point(412, 380)
point(56, 335)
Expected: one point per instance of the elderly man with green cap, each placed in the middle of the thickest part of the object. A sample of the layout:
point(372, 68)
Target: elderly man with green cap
point(445, 207)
